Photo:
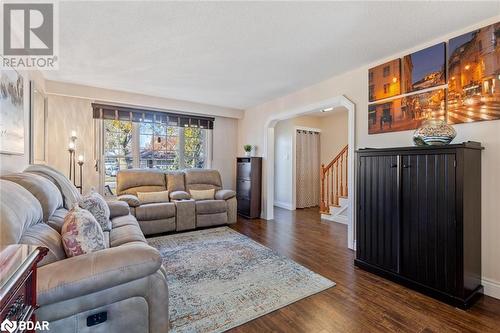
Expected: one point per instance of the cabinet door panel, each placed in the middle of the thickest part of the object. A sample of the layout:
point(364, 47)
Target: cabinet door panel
point(428, 227)
point(378, 226)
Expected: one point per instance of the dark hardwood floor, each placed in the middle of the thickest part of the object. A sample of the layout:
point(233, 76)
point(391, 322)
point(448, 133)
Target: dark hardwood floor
point(360, 302)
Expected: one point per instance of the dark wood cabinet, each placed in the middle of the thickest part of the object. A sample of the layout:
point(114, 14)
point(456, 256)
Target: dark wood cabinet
point(419, 218)
point(248, 186)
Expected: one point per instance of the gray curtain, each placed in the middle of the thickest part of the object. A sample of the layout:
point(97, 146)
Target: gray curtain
point(307, 169)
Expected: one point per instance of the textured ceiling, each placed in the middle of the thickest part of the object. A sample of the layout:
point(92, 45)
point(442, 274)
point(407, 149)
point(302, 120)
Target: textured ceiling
point(240, 54)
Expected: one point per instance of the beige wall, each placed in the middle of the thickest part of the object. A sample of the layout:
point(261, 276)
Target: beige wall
point(17, 163)
point(333, 134)
point(354, 85)
point(66, 113)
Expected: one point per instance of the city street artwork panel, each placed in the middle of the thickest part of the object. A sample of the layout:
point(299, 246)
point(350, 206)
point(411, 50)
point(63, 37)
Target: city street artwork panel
point(407, 113)
point(474, 76)
point(424, 69)
point(384, 81)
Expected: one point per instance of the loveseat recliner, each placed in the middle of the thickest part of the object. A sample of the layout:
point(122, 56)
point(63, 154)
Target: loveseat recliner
point(180, 212)
point(125, 280)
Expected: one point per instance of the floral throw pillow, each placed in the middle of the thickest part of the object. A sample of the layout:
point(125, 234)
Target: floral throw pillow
point(81, 234)
point(97, 206)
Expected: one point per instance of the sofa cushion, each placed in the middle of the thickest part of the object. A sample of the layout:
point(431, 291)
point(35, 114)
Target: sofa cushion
point(179, 195)
point(81, 233)
point(42, 234)
point(153, 197)
point(70, 193)
point(130, 199)
point(202, 179)
point(56, 220)
point(118, 208)
point(97, 206)
point(175, 181)
point(125, 234)
point(225, 194)
point(135, 180)
point(202, 194)
point(208, 220)
point(44, 190)
point(19, 210)
point(210, 207)
point(120, 221)
point(155, 211)
point(152, 227)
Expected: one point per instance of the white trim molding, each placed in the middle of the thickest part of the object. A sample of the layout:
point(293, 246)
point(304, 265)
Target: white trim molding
point(268, 167)
point(284, 205)
point(491, 288)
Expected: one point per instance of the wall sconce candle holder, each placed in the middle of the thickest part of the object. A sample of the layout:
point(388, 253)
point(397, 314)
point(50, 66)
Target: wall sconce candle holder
point(72, 162)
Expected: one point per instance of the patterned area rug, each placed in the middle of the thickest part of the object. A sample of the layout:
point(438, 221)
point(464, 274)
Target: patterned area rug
point(219, 279)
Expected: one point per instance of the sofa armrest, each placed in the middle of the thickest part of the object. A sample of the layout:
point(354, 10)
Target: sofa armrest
point(179, 195)
point(118, 208)
point(89, 273)
point(224, 194)
point(131, 199)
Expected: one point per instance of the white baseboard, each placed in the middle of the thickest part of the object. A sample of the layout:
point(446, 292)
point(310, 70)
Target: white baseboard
point(284, 205)
point(491, 288)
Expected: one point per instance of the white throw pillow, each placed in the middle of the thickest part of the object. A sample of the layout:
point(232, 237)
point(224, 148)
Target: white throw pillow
point(81, 234)
point(152, 197)
point(202, 194)
point(98, 207)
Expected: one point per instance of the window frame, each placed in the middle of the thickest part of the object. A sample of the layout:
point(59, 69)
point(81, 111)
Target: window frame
point(135, 154)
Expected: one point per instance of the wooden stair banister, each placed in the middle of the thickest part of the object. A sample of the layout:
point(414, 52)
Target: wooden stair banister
point(334, 181)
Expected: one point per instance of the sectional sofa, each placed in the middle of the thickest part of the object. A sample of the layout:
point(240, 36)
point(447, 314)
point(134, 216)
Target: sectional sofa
point(126, 280)
point(180, 212)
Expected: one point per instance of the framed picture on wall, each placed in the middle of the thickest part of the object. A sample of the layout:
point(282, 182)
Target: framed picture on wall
point(424, 69)
point(12, 106)
point(406, 113)
point(38, 125)
point(384, 81)
point(474, 76)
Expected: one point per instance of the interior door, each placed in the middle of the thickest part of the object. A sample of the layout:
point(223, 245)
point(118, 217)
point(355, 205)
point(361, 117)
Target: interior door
point(378, 217)
point(428, 226)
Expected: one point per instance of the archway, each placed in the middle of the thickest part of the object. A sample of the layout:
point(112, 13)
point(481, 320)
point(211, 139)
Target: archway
point(268, 167)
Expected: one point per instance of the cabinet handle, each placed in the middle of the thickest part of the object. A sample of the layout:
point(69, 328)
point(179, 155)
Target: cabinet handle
point(405, 166)
point(394, 165)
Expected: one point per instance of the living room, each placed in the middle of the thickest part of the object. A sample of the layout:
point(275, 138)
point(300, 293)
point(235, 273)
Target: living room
point(153, 169)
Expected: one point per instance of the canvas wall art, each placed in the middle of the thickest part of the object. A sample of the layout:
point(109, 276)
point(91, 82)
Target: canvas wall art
point(12, 112)
point(424, 69)
point(384, 81)
point(406, 113)
point(474, 76)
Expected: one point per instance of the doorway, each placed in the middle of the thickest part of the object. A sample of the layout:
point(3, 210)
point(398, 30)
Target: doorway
point(268, 168)
point(307, 162)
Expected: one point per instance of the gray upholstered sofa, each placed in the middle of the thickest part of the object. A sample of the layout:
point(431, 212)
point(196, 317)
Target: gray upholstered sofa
point(125, 280)
point(180, 212)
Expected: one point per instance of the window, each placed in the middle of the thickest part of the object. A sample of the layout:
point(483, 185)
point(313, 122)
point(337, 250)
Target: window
point(371, 92)
point(159, 146)
point(387, 88)
point(117, 149)
point(152, 144)
point(387, 71)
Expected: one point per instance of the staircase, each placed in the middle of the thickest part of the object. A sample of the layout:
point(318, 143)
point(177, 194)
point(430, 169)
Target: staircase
point(334, 191)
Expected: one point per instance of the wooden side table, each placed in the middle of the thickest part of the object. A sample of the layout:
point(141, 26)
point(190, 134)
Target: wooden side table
point(18, 281)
